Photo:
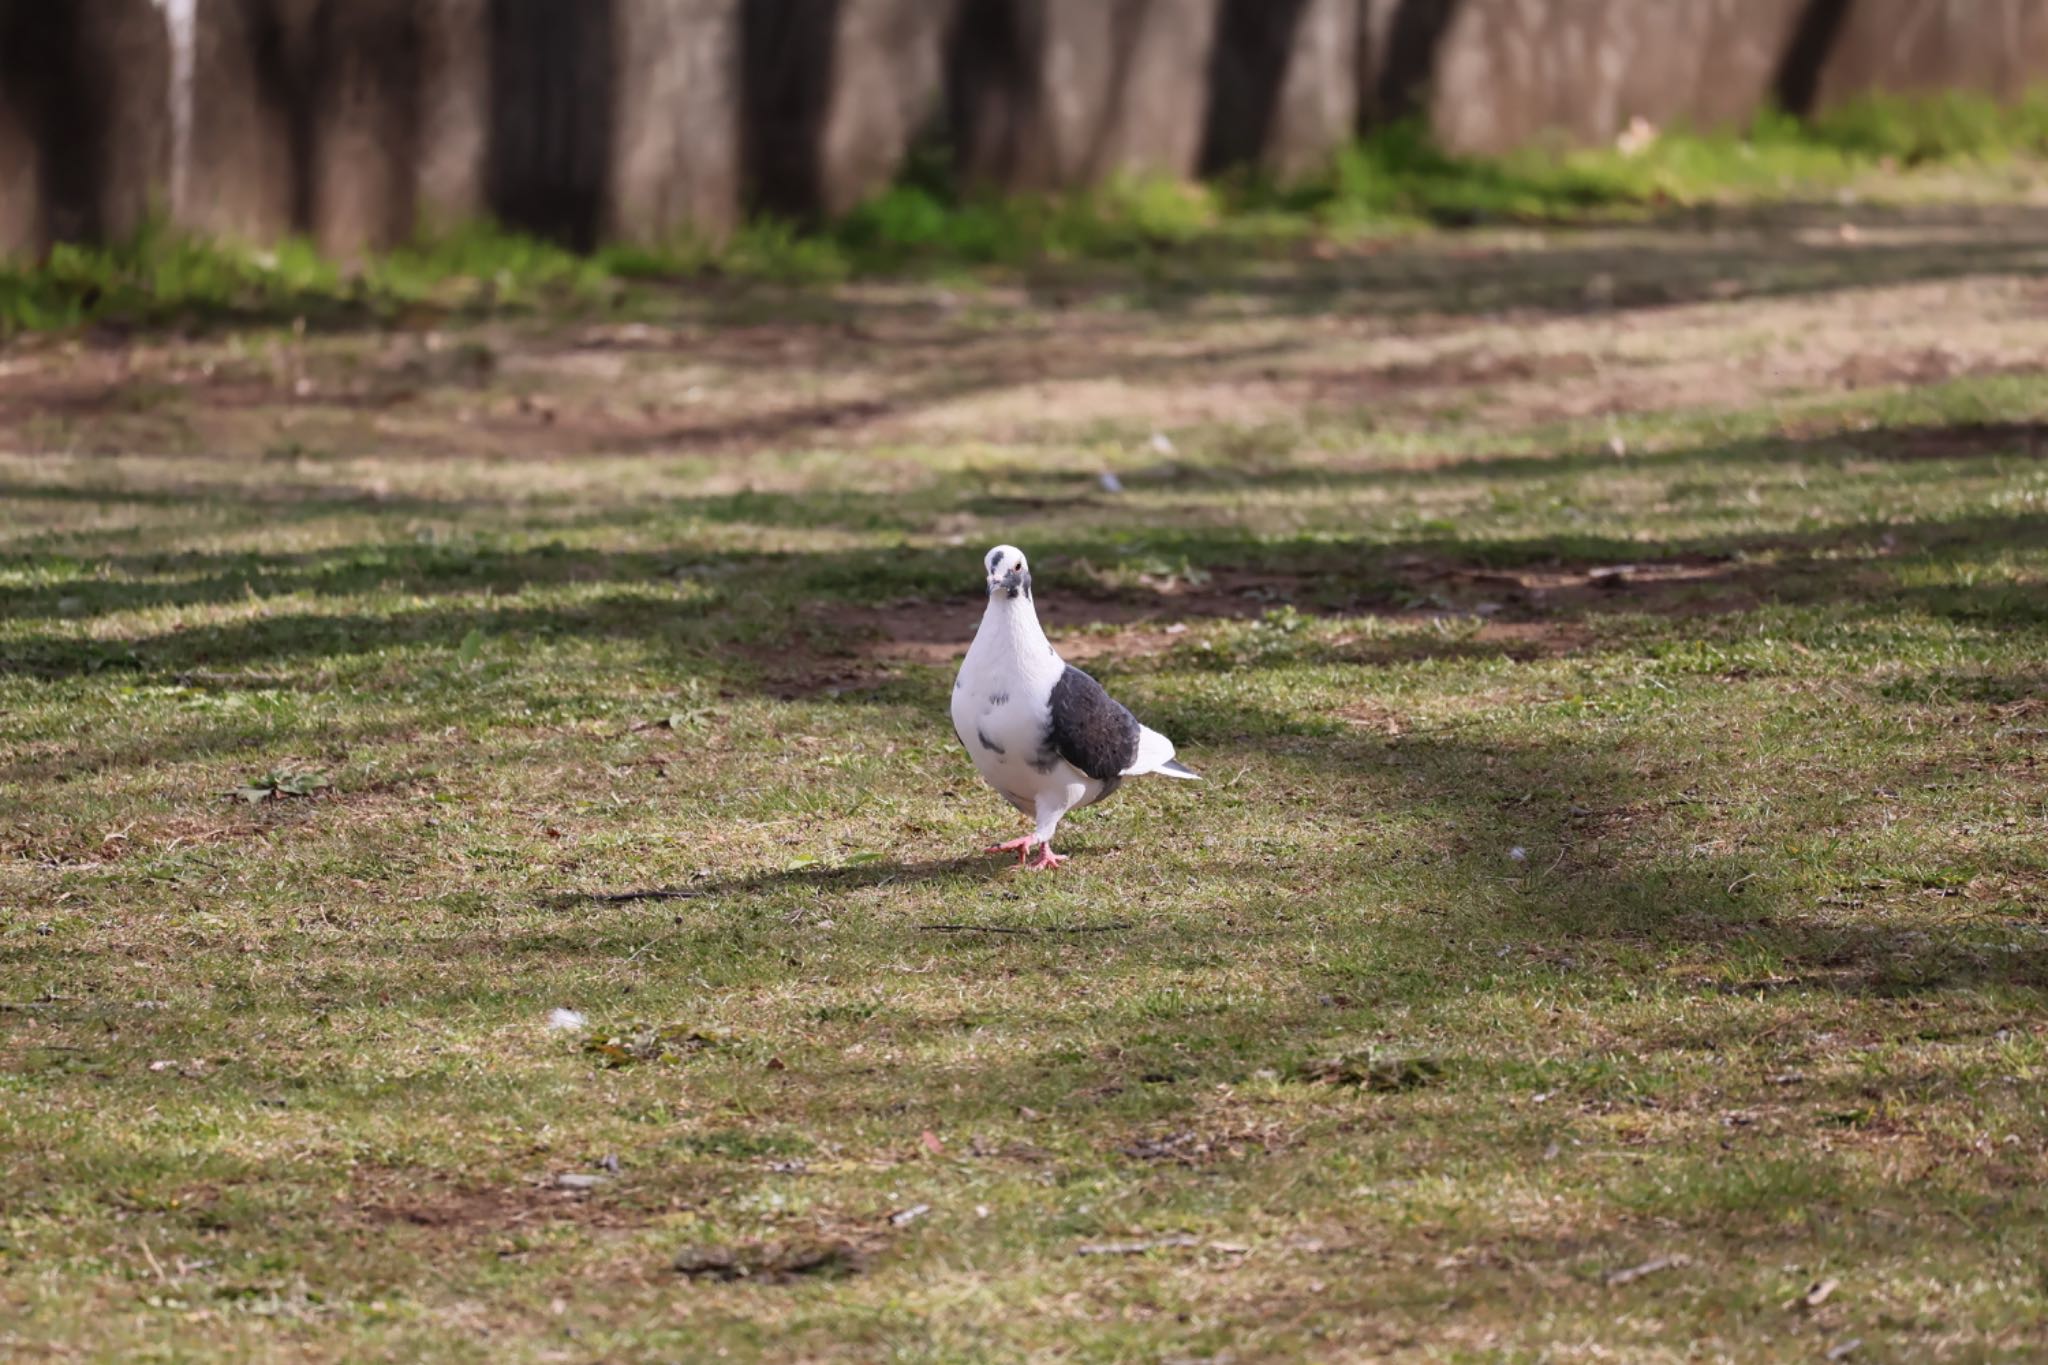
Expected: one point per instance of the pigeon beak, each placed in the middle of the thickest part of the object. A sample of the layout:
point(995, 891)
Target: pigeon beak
point(1006, 583)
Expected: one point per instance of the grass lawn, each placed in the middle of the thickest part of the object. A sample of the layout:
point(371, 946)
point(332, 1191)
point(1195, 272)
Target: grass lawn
point(1614, 925)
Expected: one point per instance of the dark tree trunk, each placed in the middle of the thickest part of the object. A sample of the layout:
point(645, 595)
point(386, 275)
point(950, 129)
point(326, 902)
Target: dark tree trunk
point(551, 106)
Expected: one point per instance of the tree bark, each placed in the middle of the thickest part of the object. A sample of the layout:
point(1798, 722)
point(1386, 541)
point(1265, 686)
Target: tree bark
point(675, 165)
point(1060, 94)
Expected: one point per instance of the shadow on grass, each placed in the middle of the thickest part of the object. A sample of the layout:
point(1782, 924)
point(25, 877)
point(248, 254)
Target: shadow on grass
point(833, 878)
point(744, 618)
point(1704, 256)
point(1589, 823)
point(195, 578)
point(930, 356)
point(1620, 856)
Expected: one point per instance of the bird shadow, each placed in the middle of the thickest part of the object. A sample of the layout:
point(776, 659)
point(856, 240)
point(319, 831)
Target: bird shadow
point(973, 867)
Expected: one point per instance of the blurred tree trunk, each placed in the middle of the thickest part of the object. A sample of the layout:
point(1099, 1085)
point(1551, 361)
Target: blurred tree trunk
point(1999, 47)
point(308, 116)
point(552, 68)
point(1399, 49)
point(1508, 71)
point(887, 89)
point(124, 69)
point(451, 176)
point(835, 92)
point(675, 160)
point(590, 120)
point(245, 173)
point(24, 112)
point(83, 139)
point(1283, 84)
point(1058, 94)
point(366, 72)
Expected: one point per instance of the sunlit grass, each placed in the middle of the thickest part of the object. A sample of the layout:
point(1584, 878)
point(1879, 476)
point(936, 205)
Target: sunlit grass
point(1613, 908)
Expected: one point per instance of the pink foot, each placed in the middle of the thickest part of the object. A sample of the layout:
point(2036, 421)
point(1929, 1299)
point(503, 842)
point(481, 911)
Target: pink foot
point(1023, 847)
point(1047, 858)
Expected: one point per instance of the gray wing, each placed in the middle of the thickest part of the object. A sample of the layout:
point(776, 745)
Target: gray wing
point(1089, 728)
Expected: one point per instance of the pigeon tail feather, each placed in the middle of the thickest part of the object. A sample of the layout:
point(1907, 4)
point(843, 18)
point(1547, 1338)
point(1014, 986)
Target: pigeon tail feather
point(1155, 755)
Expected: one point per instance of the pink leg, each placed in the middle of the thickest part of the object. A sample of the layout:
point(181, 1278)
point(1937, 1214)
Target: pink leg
point(1023, 847)
point(1047, 858)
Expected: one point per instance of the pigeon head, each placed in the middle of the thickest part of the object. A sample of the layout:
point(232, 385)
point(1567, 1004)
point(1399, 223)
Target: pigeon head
point(1008, 573)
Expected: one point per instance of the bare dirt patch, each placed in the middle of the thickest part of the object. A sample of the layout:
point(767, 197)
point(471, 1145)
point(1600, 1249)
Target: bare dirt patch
point(1523, 613)
point(1459, 369)
point(1929, 365)
point(1692, 586)
point(1188, 1147)
point(389, 1199)
point(772, 1262)
point(856, 646)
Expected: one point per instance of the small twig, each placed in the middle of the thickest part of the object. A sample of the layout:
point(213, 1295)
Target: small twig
point(1025, 929)
point(154, 1265)
point(1137, 1248)
point(1442, 727)
point(659, 893)
point(657, 939)
point(1616, 1278)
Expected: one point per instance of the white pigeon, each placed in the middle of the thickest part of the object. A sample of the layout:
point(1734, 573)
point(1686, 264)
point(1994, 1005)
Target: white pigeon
point(1044, 734)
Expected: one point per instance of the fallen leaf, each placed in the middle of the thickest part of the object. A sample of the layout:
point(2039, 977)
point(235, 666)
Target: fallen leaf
point(931, 1143)
point(1816, 1294)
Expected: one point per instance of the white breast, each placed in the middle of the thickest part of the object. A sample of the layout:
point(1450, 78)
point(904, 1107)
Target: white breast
point(1001, 710)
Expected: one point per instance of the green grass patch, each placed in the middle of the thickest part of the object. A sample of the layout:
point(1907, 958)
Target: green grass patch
point(485, 871)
